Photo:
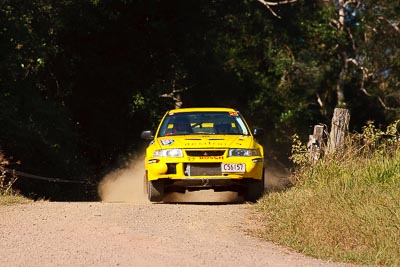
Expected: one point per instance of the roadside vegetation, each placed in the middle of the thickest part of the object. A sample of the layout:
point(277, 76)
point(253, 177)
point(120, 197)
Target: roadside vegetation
point(80, 80)
point(345, 207)
point(7, 194)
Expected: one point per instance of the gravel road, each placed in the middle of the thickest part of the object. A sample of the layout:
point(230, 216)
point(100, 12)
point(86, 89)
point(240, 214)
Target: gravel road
point(136, 234)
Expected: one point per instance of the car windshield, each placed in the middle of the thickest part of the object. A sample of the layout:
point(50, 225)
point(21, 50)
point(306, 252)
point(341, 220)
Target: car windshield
point(184, 123)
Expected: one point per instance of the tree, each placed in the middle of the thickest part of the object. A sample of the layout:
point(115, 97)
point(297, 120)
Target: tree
point(354, 41)
point(270, 4)
point(80, 80)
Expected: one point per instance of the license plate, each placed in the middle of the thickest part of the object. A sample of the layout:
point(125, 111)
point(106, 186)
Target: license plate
point(233, 167)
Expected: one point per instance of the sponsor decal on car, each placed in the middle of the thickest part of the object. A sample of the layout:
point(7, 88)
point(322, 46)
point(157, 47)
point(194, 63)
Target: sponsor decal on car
point(167, 142)
point(211, 157)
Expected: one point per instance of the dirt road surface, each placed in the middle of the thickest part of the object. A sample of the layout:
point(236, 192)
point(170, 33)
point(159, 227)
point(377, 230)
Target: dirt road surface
point(124, 229)
point(136, 234)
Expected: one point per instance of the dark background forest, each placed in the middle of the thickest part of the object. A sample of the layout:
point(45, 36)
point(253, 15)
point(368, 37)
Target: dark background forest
point(79, 80)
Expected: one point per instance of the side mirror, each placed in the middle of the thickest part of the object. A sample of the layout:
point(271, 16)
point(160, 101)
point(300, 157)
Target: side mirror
point(258, 132)
point(148, 135)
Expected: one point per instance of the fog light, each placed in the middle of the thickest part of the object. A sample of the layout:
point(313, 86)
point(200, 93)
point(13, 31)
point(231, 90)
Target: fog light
point(158, 168)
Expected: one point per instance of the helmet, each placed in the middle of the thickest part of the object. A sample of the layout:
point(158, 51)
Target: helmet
point(182, 125)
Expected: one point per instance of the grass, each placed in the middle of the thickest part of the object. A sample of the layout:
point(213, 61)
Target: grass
point(344, 208)
point(12, 199)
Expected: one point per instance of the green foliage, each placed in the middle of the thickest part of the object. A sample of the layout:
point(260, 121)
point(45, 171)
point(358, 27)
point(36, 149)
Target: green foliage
point(299, 151)
point(375, 140)
point(79, 80)
point(346, 207)
point(43, 133)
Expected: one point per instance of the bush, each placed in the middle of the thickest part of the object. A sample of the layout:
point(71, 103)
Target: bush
point(7, 179)
point(346, 207)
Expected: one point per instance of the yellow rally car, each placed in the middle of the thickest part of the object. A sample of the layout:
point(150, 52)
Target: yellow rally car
point(204, 148)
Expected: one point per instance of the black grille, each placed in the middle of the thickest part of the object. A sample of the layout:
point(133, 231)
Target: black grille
point(171, 168)
point(203, 169)
point(199, 153)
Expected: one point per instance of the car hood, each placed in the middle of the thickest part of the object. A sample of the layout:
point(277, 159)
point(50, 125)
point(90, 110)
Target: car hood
point(206, 141)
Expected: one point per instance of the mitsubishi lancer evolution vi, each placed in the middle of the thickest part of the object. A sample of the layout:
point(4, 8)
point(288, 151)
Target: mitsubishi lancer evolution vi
point(204, 148)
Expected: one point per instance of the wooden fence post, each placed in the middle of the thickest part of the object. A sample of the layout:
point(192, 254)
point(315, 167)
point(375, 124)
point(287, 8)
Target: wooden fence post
point(315, 143)
point(339, 129)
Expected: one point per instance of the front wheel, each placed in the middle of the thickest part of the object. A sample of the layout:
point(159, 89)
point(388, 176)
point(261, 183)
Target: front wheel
point(254, 190)
point(155, 190)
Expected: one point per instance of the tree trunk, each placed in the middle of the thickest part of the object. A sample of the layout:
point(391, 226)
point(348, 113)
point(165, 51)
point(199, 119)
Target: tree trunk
point(341, 101)
point(343, 56)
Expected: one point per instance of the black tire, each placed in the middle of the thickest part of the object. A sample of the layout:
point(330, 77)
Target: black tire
point(155, 190)
point(254, 190)
point(145, 181)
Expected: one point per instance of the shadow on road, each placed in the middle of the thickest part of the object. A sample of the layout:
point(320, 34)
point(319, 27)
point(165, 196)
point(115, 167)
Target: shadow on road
point(208, 197)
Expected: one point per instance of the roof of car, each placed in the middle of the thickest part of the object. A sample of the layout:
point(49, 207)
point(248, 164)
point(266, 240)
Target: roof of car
point(202, 109)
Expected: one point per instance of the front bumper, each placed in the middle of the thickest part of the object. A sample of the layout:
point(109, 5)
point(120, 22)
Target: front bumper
point(199, 170)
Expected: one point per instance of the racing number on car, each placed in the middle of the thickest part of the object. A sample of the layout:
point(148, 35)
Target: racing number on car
point(233, 167)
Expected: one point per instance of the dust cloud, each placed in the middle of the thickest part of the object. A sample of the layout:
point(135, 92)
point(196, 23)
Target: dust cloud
point(276, 177)
point(125, 184)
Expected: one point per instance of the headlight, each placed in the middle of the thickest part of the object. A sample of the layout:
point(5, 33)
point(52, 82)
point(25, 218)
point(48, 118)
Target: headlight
point(170, 153)
point(238, 152)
